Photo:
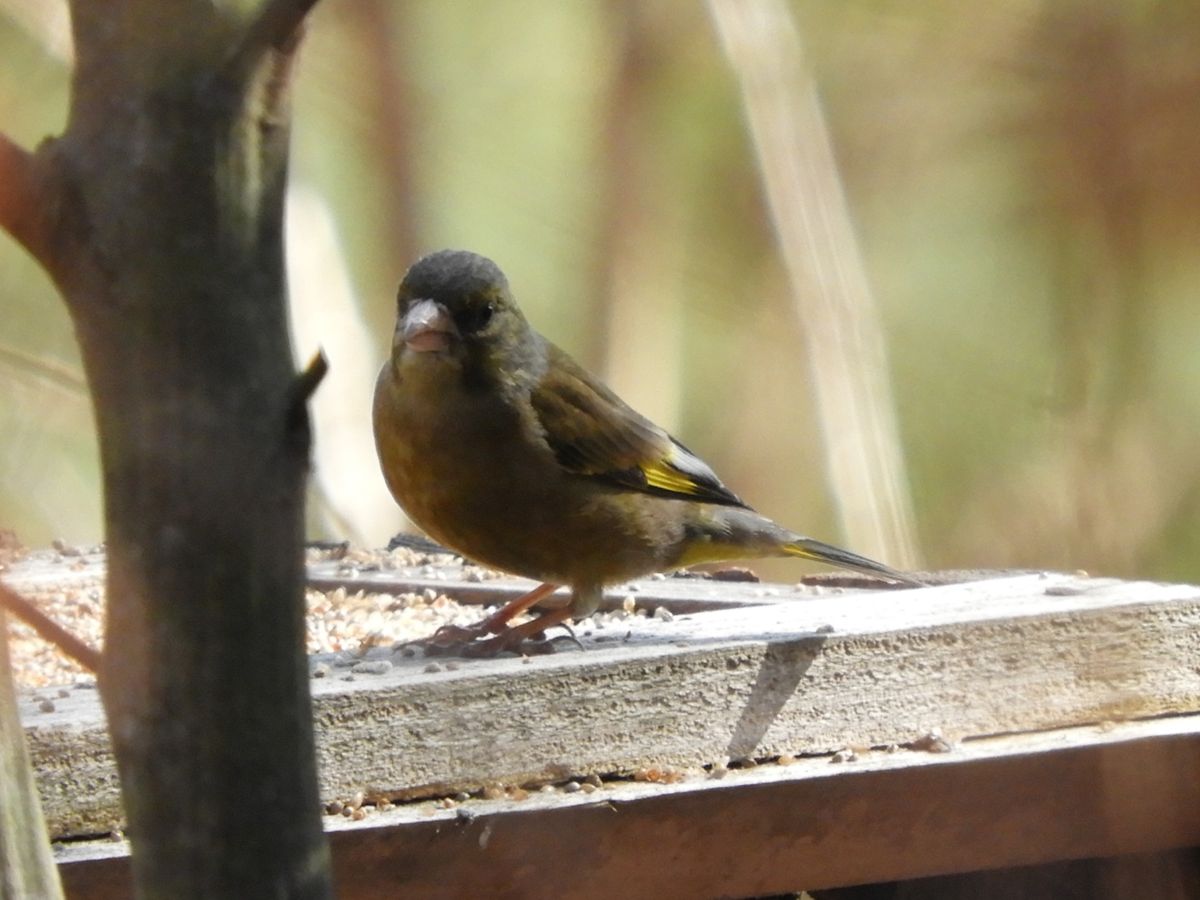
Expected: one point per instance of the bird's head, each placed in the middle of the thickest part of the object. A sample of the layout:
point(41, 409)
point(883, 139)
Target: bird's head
point(455, 307)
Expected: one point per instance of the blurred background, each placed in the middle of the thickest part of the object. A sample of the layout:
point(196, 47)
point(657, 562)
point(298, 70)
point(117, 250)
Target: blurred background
point(1022, 180)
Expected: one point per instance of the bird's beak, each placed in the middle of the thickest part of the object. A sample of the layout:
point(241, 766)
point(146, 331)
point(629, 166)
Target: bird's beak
point(426, 328)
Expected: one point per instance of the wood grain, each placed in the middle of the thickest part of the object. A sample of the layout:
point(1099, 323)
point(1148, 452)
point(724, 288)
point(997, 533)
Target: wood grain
point(988, 803)
point(812, 676)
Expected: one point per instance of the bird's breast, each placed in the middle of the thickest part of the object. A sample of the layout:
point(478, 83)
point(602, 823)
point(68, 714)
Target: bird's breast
point(461, 464)
point(475, 472)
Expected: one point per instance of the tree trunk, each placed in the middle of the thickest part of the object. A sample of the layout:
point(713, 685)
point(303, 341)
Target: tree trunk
point(162, 220)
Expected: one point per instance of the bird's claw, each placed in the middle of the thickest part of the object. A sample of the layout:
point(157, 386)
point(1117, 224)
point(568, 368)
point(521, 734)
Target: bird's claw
point(507, 640)
point(480, 643)
point(483, 640)
point(451, 640)
point(456, 635)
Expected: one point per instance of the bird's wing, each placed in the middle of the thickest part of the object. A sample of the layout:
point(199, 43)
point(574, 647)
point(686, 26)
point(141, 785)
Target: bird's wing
point(594, 433)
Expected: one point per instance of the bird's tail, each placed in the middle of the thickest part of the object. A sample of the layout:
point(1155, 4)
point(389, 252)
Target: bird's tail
point(807, 548)
point(720, 533)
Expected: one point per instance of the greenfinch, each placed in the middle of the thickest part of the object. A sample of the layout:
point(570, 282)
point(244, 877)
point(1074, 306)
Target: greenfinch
point(503, 448)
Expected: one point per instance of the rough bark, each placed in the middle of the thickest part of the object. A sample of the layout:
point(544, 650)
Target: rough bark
point(160, 218)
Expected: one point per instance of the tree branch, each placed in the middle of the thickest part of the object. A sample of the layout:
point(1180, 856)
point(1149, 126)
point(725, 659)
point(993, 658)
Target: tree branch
point(48, 629)
point(44, 370)
point(22, 201)
point(302, 389)
point(306, 382)
point(277, 27)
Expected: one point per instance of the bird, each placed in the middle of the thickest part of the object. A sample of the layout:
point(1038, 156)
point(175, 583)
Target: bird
point(500, 446)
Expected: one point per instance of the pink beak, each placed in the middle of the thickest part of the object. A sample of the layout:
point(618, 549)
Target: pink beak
point(427, 328)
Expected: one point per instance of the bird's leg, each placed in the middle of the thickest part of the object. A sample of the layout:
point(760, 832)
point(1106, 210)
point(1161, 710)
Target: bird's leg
point(450, 636)
point(511, 638)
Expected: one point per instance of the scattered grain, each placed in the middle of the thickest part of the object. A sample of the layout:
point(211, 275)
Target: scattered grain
point(372, 667)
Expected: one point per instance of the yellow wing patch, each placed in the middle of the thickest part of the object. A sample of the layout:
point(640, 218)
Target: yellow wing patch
point(665, 478)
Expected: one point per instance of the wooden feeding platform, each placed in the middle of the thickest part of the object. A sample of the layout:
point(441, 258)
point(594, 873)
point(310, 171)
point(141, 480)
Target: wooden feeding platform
point(752, 739)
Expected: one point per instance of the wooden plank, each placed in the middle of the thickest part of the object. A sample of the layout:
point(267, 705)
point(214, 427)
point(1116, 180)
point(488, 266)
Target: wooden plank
point(1002, 801)
point(682, 592)
point(679, 595)
point(447, 576)
point(812, 676)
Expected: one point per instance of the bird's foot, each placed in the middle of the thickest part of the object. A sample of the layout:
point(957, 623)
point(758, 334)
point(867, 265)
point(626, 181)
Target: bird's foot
point(483, 640)
point(529, 639)
point(507, 640)
point(471, 640)
point(452, 639)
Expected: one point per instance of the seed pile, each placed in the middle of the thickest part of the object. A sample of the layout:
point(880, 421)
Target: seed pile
point(338, 620)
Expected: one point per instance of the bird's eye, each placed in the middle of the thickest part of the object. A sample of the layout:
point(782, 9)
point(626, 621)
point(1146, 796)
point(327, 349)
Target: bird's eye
point(476, 318)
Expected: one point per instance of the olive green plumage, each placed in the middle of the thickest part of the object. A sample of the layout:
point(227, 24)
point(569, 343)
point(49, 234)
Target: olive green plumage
point(502, 447)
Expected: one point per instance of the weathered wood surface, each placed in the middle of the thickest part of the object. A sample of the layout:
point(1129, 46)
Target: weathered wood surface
point(811, 676)
point(446, 576)
point(992, 802)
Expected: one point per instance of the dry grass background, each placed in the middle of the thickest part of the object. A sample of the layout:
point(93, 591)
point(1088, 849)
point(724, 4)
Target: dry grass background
point(1022, 211)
